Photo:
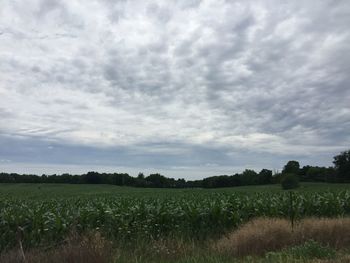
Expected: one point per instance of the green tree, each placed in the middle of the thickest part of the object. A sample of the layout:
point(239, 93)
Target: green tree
point(342, 165)
point(249, 177)
point(265, 176)
point(290, 181)
point(157, 180)
point(141, 176)
point(291, 167)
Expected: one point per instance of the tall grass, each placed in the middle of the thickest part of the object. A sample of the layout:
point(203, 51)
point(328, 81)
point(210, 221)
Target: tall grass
point(257, 241)
point(264, 234)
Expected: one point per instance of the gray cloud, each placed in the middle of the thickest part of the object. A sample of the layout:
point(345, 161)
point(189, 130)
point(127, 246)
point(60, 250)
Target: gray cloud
point(175, 84)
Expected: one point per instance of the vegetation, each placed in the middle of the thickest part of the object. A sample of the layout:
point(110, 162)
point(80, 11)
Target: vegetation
point(193, 223)
point(339, 173)
point(262, 235)
point(342, 166)
point(292, 167)
point(185, 215)
point(42, 192)
point(290, 181)
point(262, 241)
point(307, 251)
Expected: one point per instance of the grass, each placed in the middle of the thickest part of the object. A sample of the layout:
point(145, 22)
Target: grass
point(264, 234)
point(38, 191)
point(261, 240)
point(309, 250)
point(91, 248)
point(304, 244)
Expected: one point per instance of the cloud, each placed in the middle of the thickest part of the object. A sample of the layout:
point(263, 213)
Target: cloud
point(169, 81)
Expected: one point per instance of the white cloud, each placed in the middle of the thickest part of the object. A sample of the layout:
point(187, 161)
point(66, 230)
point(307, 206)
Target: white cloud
point(252, 76)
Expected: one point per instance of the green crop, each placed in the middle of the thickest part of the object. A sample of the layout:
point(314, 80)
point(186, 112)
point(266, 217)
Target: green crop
point(197, 215)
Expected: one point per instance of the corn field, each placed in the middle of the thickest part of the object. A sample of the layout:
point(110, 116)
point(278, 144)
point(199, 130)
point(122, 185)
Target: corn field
point(46, 222)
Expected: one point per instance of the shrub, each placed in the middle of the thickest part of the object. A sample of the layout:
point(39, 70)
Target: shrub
point(290, 181)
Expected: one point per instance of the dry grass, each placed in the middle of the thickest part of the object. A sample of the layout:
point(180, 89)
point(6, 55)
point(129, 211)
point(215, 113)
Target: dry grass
point(262, 235)
point(92, 248)
point(254, 238)
point(333, 232)
point(161, 250)
point(257, 237)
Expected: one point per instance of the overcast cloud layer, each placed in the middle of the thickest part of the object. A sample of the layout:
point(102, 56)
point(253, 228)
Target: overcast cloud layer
point(189, 88)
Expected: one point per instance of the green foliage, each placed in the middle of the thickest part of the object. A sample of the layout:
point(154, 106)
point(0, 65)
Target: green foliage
point(309, 250)
point(291, 167)
point(265, 177)
point(128, 217)
point(247, 177)
point(290, 181)
point(342, 165)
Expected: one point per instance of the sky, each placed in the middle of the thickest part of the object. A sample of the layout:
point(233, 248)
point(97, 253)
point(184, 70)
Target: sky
point(187, 88)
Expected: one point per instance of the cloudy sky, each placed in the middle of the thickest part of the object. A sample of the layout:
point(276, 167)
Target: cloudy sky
point(189, 88)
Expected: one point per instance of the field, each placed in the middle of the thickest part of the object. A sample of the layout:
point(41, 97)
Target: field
point(45, 215)
point(40, 191)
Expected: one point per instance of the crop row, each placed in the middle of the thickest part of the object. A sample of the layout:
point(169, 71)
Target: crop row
point(126, 218)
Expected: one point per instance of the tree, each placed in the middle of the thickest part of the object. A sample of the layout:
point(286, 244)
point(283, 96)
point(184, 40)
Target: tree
point(92, 178)
point(265, 176)
point(291, 167)
point(249, 177)
point(141, 176)
point(157, 180)
point(342, 165)
point(290, 181)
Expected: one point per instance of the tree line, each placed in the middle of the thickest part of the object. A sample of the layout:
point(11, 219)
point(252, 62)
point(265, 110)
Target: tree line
point(339, 173)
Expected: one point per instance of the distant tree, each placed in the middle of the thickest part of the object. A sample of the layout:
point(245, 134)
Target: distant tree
point(339, 173)
point(290, 181)
point(216, 181)
point(331, 175)
point(140, 181)
point(249, 177)
point(265, 176)
point(303, 173)
point(276, 178)
point(141, 176)
point(291, 167)
point(181, 183)
point(317, 174)
point(92, 178)
point(342, 165)
point(157, 180)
